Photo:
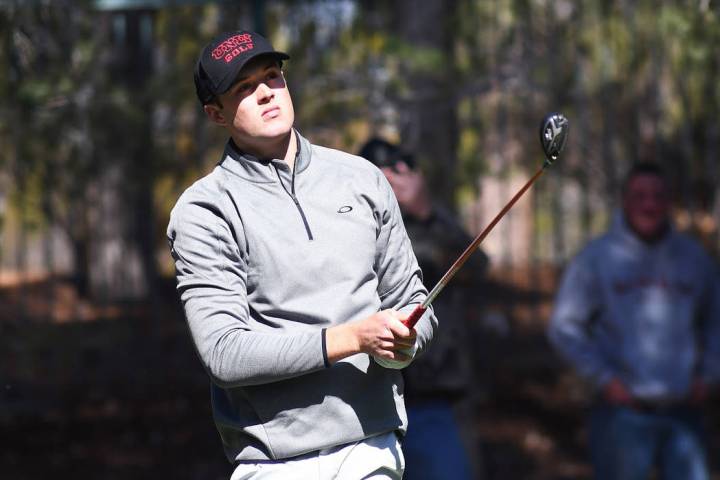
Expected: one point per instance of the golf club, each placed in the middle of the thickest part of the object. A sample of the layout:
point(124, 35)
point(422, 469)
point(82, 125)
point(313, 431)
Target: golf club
point(553, 135)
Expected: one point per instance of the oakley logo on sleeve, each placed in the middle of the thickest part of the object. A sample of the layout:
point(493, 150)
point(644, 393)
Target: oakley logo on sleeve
point(345, 209)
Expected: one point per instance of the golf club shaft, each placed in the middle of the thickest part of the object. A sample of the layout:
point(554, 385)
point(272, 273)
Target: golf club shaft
point(411, 320)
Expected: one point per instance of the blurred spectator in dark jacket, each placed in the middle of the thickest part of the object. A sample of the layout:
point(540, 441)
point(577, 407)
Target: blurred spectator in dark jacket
point(638, 315)
point(443, 376)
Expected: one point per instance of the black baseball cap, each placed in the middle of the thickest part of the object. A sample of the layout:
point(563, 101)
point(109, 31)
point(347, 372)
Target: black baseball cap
point(382, 153)
point(221, 60)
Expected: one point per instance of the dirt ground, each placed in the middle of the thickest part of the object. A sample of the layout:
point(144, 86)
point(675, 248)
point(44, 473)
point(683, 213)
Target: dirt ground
point(116, 391)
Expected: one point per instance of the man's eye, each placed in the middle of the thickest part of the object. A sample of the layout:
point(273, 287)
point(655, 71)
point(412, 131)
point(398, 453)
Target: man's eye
point(272, 75)
point(243, 87)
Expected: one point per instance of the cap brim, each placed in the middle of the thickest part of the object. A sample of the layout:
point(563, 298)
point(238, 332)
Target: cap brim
point(230, 78)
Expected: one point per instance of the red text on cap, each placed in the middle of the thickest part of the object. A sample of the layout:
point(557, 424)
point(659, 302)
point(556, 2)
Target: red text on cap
point(232, 47)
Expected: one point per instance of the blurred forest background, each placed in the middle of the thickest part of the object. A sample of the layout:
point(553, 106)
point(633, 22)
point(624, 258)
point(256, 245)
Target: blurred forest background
point(101, 131)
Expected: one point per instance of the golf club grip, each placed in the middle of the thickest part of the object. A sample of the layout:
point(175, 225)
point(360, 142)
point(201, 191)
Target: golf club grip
point(414, 316)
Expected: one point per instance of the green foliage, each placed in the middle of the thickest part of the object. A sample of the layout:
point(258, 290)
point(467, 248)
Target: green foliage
point(638, 81)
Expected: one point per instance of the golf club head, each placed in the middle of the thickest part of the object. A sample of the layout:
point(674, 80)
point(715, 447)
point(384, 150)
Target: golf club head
point(553, 135)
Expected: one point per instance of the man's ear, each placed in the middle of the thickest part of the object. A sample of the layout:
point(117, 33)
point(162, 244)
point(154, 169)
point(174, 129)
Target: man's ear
point(215, 114)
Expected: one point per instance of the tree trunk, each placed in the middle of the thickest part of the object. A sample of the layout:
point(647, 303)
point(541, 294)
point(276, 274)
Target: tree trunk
point(429, 117)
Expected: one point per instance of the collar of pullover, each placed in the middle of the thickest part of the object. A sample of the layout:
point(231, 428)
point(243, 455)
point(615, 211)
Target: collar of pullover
point(261, 170)
point(622, 230)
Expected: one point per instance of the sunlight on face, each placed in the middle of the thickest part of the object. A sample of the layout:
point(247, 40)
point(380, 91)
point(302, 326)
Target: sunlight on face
point(258, 106)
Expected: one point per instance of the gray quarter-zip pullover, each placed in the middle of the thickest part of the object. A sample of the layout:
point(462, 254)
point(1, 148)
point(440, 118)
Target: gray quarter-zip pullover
point(267, 258)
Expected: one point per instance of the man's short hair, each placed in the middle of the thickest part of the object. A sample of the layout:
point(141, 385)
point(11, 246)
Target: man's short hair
point(644, 168)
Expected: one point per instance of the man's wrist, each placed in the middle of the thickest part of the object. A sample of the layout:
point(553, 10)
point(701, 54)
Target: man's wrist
point(341, 341)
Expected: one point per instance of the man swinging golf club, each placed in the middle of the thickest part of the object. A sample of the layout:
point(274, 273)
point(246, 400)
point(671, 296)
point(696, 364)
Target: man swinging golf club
point(294, 269)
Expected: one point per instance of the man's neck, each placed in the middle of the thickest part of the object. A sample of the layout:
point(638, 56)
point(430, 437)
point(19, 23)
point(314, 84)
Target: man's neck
point(285, 149)
point(653, 238)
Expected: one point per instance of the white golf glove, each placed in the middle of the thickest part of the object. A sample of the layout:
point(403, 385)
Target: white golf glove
point(398, 364)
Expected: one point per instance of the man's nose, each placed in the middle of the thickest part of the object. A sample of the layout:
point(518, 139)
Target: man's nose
point(264, 93)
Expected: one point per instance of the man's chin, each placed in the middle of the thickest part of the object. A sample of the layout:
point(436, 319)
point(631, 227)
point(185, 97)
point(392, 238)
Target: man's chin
point(651, 232)
point(277, 132)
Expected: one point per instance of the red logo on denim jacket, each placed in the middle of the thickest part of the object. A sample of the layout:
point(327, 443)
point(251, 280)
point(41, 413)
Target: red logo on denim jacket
point(629, 285)
point(232, 47)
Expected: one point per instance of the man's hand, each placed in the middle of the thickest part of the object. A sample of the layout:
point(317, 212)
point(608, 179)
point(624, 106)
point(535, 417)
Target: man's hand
point(410, 190)
point(616, 393)
point(381, 335)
